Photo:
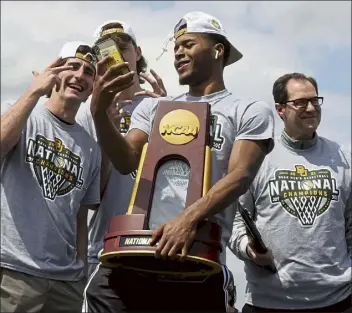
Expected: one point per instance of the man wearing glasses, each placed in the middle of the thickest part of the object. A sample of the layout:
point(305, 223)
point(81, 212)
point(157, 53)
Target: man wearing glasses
point(301, 203)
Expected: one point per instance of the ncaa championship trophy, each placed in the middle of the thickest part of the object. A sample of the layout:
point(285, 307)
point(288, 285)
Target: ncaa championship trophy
point(181, 131)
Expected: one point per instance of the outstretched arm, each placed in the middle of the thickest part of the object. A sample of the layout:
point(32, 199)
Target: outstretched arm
point(123, 152)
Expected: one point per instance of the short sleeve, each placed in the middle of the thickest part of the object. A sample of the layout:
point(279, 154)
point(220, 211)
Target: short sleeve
point(256, 123)
point(92, 195)
point(142, 116)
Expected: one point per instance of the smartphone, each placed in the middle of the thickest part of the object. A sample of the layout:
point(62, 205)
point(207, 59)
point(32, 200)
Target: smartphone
point(109, 47)
point(254, 233)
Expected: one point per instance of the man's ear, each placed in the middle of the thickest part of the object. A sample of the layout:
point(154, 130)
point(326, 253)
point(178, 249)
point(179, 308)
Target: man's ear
point(219, 50)
point(139, 53)
point(280, 109)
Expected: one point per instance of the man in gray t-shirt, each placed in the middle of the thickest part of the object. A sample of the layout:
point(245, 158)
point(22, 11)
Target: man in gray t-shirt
point(116, 188)
point(301, 202)
point(242, 137)
point(50, 178)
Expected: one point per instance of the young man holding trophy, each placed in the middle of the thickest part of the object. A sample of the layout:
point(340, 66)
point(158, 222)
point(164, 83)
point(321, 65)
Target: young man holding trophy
point(241, 138)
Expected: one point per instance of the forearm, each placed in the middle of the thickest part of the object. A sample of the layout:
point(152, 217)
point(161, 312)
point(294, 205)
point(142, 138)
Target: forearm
point(104, 173)
point(82, 243)
point(114, 145)
point(14, 120)
point(82, 235)
point(221, 195)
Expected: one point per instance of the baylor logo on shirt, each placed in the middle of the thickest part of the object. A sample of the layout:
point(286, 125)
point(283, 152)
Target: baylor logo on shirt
point(303, 193)
point(58, 170)
point(217, 140)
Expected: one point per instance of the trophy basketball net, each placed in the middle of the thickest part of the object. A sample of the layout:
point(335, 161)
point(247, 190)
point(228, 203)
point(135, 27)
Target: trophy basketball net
point(181, 131)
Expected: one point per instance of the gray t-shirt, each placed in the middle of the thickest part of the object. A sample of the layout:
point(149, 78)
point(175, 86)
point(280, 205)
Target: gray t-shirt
point(233, 119)
point(52, 170)
point(301, 203)
point(118, 191)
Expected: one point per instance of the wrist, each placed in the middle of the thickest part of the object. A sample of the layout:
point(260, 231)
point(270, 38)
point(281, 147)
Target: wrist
point(194, 214)
point(99, 114)
point(33, 93)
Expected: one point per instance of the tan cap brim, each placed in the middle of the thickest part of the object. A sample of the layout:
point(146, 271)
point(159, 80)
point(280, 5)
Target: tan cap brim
point(234, 56)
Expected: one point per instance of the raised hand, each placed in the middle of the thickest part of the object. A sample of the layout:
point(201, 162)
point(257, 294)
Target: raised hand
point(44, 82)
point(159, 89)
point(108, 83)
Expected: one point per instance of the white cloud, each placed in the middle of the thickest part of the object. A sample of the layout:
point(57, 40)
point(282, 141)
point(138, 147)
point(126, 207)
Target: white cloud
point(271, 35)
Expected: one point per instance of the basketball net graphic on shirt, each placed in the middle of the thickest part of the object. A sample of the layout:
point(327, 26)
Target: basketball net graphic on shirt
point(57, 169)
point(303, 193)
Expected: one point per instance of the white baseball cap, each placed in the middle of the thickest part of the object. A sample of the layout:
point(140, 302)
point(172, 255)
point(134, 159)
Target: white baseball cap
point(121, 28)
point(199, 22)
point(73, 49)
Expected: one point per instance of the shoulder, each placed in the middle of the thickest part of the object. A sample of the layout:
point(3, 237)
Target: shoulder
point(244, 106)
point(149, 104)
point(340, 150)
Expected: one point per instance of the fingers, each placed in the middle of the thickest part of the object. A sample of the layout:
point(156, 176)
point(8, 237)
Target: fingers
point(120, 106)
point(59, 69)
point(116, 70)
point(147, 93)
point(151, 81)
point(159, 80)
point(104, 64)
point(116, 85)
point(55, 70)
point(250, 252)
point(157, 89)
point(258, 258)
point(156, 235)
point(54, 63)
point(172, 252)
point(116, 98)
point(185, 249)
point(101, 65)
point(166, 250)
point(57, 83)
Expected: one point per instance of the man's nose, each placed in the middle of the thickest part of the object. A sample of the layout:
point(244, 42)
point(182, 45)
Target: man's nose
point(310, 107)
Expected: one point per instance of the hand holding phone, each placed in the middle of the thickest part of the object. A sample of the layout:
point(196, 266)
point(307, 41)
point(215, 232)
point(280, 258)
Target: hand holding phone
point(108, 47)
point(256, 244)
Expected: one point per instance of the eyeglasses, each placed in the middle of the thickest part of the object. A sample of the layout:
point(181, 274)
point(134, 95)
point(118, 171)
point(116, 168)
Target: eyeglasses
point(302, 103)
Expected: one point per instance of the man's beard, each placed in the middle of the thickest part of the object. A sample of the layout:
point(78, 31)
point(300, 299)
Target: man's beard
point(193, 79)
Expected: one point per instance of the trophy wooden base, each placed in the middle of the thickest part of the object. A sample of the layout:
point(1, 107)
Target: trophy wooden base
point(130, 248)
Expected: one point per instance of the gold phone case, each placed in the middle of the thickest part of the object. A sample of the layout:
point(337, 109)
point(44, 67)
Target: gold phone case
point(109, 47)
